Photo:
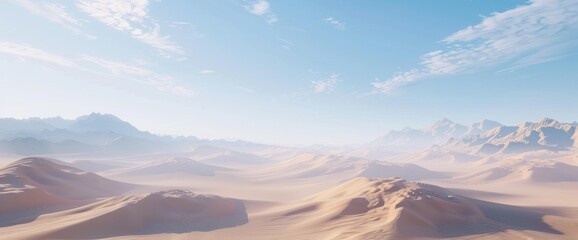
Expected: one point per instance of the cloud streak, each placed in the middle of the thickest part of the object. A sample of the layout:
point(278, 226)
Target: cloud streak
point(327, 85)
point(262, 8)
point(99, 66)
point(206, 71)
point(139, 75)
point(526, 35)
point(131, 16)
point(30, 53)
point(334, 23)
point(53, 12)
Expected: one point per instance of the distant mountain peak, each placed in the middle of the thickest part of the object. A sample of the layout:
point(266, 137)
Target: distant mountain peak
point(547, 121)
point(547, 134)
point(97, 115)
point(485, 124)
point(98, 122)
point(442, 122)
point(487, 121)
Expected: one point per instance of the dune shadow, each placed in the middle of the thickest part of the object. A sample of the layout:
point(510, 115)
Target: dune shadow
point(471, 193)
point(200, 226)
point(18, 217)
point(499, 218)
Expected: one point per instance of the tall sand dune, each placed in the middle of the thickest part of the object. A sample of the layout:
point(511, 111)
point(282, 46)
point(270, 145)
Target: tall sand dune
point(173, 211)
point(173, 165)
point(309, 165)
point(535, 171)
point(394, 208)
point(41, 182)
point(224, 157)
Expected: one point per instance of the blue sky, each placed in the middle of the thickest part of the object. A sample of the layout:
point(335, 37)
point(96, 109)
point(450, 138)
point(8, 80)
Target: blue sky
point(290, 72)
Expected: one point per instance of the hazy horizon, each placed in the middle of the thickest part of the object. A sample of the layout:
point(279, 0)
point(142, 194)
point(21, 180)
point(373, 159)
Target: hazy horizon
point(377, 135)
point(289, 73)
point(270, 119)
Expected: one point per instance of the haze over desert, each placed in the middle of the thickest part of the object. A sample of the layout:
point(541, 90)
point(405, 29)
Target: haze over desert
point(201, 189)
point(289, 120)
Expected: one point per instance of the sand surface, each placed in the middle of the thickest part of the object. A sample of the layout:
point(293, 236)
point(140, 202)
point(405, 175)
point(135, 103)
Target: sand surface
point(206, 194)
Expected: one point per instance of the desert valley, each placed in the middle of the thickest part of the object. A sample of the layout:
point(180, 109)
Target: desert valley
point(99, 177)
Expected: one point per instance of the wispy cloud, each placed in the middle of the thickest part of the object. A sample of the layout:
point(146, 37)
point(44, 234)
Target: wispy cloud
point(286, 44)
point(140, 75)
point(540, 31)
point(54, 12)
point(154, 38)
point(131, 16)
point(262, 8)
point(181, 23)
point(95, 65)
point(29, 53)
point(326, 85)
point(206, 71)
point(334, 23)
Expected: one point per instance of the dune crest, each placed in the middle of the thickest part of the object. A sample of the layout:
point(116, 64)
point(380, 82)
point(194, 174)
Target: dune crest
point(532, 171)
point(40, 182)
point(309, 165)
point(174, 165)
point(172, 211)
point(394, 208)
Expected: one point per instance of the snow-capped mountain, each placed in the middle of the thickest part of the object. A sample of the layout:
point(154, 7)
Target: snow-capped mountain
point(95, 132)
point(481, 127)
point(97, 122)
point(546, 134)
point(436, 134)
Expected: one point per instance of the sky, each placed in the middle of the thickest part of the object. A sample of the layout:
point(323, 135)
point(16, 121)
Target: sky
point(290, 72)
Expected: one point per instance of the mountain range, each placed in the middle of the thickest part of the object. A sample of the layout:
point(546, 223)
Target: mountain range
point(436, 134)
point(91, 133)
point(107, 133)
point(547, 134)
point(485, 137)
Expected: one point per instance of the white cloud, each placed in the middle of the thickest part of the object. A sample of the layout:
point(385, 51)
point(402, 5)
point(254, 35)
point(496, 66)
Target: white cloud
point(398, 80)
point(158, 41)
point(326, 85)
point(206, 71)
point(98, 66)
point(334, 23)
point(140, 75)
point(286, 44)
point(271, 19)
point(131, 16)
point(53, 12)
point(118, 14)
point(526, 35)
point(27, 52)
point(262, 8)
point(181, 23)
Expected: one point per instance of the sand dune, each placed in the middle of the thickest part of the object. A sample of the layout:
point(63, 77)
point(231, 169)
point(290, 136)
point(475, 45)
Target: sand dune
point(39, 182)
point(93, 166)
point(437, 154)
point(173, 211)
point(173, 165)
point(224, 157)
point(394, 208)
point(537, 171)
point(309, 165)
